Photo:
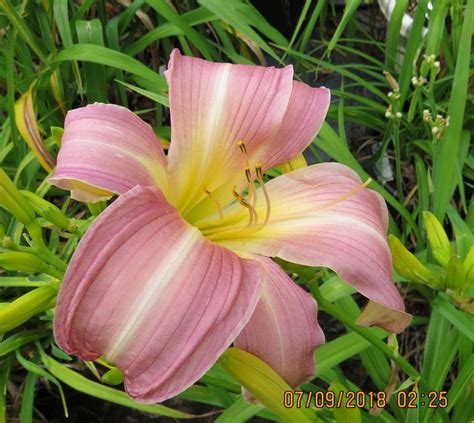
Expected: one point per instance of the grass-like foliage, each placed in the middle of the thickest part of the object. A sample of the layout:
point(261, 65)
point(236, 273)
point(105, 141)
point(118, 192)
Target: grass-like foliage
point(401, 113)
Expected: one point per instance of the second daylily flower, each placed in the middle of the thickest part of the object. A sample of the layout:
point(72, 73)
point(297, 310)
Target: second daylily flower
point(179, 266)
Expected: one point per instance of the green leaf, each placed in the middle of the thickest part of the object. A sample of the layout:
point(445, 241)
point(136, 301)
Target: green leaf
point(411, 49)
point(349, 11)
point(159, 98)
point(393, 33)
point(34, 368)
point(19, 339)
point(96, 85)
point(82, 384)
point(460, 386)
point(201, 43)
point(22, 28)
point(344, 347)
point(28, 398)
point(243, 16)
point(108, 57)
point(446, 151)
point(239, 411)
point(464, 322)
point(464, 234)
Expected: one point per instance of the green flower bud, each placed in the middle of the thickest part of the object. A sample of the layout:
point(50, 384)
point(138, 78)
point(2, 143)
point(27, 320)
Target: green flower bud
point(456, 274)
point(22, 262)
point(437, 239)
point(113, 377)
point(469, 267)
point(264, 384)
point(25, 307)
point(13, 201)
point(57, 134)
point(47, 210)
point(408, 266)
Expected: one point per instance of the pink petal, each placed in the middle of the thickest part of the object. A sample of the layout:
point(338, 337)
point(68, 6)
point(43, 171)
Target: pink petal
point(320, 216)
point(149, 293)
point(304, 117)
point(283, 330)
point(213, 106)
point(107, 147)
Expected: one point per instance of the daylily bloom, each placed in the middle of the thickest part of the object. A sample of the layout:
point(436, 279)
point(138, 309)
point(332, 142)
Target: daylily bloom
point(179, 266)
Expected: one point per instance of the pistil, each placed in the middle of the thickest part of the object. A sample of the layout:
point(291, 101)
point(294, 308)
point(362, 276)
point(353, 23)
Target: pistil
point(219, 208)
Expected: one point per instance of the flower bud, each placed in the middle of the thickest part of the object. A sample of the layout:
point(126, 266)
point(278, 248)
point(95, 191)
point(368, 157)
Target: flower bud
point(263, 383)
point(469, 266)
point(47, 210)
point(391, 81)
point(12, 200)
point(21, 262)
point(437, 239)
point(456, 274)
point(57, 134)
point(26, 306)
point(113, 377)
point(297, 162)
point(408, 266)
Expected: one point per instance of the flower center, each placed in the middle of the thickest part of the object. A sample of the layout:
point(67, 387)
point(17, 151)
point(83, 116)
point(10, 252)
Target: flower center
point(232, 217)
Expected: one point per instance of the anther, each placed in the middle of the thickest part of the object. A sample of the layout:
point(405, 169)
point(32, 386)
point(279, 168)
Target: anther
point(248, 175)
point(242, 147)
point(258, 171)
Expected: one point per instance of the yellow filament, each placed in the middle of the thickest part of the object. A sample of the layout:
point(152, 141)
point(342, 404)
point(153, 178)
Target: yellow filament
point(248, 174)
point(252, 191)
point(258, 171)
point(243, 202)
point(219, 209)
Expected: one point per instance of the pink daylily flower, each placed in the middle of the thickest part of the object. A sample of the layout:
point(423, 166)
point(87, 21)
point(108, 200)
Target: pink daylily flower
point(179, 266)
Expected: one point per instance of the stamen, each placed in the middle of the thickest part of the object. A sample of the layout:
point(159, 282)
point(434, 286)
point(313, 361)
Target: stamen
point(248, 174)
point(243, 149)
point(243, 202)
point(259, 173)
point(219, 208)
point(253, 191)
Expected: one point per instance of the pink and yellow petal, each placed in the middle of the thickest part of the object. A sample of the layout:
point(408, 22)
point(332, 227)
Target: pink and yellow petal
point(213, 107)
point(149, 293)
point(108, 149)
point(283, 330)
point(303, 119)
point(322, 216)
